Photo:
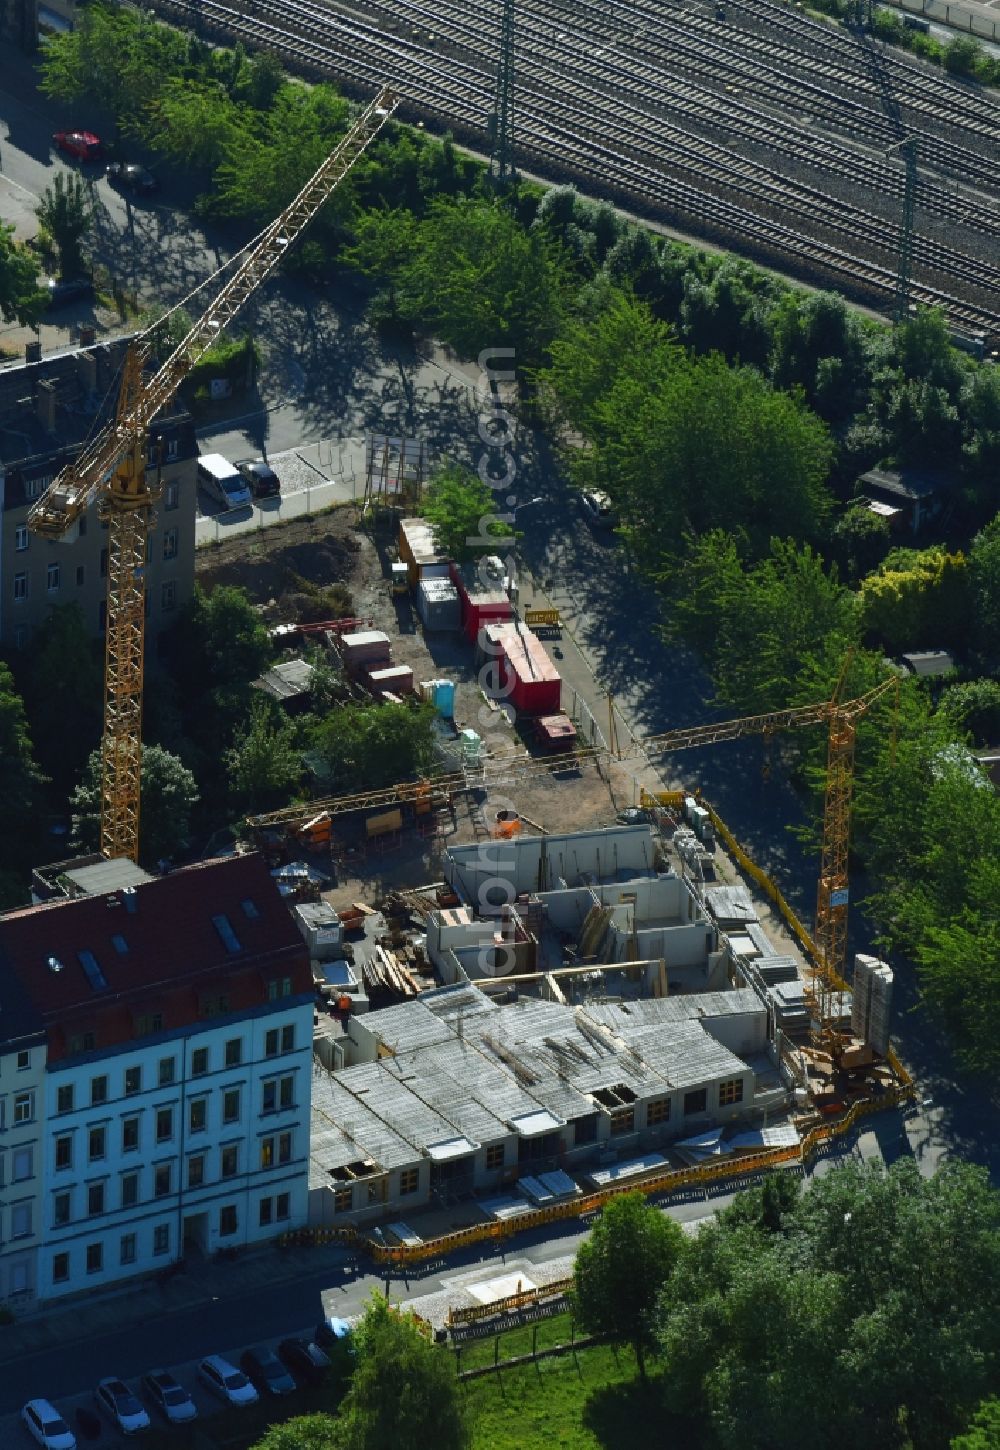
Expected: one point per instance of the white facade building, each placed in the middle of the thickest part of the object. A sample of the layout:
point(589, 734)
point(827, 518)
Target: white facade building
point(22, 1097)
point(174, 1110)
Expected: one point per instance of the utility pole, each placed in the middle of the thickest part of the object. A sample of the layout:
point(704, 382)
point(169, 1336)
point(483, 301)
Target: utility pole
point(907, 148)
point(502, 119)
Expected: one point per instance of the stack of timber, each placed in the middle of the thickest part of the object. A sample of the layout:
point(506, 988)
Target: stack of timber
point(384, 970)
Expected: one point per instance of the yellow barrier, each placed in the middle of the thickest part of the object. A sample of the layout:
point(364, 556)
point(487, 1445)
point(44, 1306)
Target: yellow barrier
point(472, 1313)
point(547, 618)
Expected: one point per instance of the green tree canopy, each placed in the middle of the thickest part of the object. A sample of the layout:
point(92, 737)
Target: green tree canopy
point(462, 511)
point(21, 784)
point(379, 744)
point(219, 644)
point(984, 1431)
point(403, 1394)
point(169, 795)
point(21, 299)
point(621, 1269)
point(916, 598)
point(304, 1432)
point(64, 691)
point(263, 766)
point(984, 581)
point(974, 706)
point(66, 214)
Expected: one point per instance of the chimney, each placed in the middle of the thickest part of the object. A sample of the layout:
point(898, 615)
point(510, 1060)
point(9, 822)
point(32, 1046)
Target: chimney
point(33, 351)
point(45, 403)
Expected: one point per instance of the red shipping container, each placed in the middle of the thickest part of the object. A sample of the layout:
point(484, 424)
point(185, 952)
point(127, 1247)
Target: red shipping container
point(530, 681)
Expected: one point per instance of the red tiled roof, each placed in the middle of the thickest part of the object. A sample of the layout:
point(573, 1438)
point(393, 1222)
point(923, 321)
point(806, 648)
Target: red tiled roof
point(175, 954)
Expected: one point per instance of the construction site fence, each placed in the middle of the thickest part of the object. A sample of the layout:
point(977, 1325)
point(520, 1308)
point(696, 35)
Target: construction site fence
point(524, 1299)
point(816, 1143)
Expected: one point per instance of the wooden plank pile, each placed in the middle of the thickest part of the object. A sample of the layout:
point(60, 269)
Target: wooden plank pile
point(387, 971)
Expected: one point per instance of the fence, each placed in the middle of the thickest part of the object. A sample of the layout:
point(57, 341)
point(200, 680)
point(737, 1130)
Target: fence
point(214, 528)
point(526, 1298)
point(962, 17)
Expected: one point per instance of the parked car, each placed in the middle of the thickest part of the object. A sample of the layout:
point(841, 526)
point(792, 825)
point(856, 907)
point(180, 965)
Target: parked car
point(46, 1426)
point(222, 481)
point(262, 479)
point(121, 1406)
point(62, 290)
point(266, 1373)
point(127, 176)
point(81, 145)
point(226, 1381)
point(170, 1398)
point(332, 1331)
point(307, 1362)
point(598, 509)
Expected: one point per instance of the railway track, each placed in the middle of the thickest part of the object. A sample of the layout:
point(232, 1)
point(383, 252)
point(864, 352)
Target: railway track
point(589, 133)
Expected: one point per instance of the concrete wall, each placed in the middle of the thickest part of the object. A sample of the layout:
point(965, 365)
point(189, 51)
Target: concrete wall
point(492, 873)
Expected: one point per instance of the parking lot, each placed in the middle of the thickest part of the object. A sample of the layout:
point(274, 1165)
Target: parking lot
point(312, 477)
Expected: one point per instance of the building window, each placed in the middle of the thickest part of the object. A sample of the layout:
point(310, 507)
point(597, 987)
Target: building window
point(279, 1040)
point(196, 1170)
point(197, 1115)
point(81, 1042)
point(279, 987)
point(24, 1107)
point(20, 588)
point(279, 1093)
point(622, 1122)
point(64, 1099)
point(173, 449)
point(81, 575)
point(231, 1105)
point(21, 538)
point(130, 1134)
point(98, 1090)
point(230, 1161)
point(585, 1129)
point(20, 636)
point(104, 563)
point(20, 1221)
point(695, 1102)
point(161, 1180)
point(95, 1258)
point(409, 1180)
point(96, 1143)
point(267, 1152)
point(21, 1165)
point(82, 526)
point(161, 1238)
point(126, 1249)
point(133, 1081)
point(228, 1222)
point(52, 578)
point(148, 1024)
point(170, 543)
point(199, 1062)
point(168, 595)
point(234, 1052)
point(60, 1209)
point(23, 1061)
point(657, 1112)
point(282, 1206)
point(172, 492)
point(284, 1147)
point(494, 1156)
point(60, 1268)
point(266, 1207)
point(164, 1124)
point(130, 1190)
point(343, 1200)
point(95, 1198)
point(64, 1151)
point(165, 1072)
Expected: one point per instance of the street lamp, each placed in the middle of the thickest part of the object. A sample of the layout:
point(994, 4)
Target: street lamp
point(528, 503)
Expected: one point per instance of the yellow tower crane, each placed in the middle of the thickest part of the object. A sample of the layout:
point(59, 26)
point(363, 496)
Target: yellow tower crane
point(112, 469)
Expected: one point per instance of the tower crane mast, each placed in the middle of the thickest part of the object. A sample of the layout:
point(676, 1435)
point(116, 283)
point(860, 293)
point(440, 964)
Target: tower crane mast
point(112, 469)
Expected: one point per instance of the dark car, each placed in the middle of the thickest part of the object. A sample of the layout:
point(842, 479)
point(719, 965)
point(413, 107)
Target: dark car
point(61, 290)
point(306, 1361)
point(170, 1398)
point(266, 1373)
point(126, 176)
point(81, 145)
point(598, 509)
point(262, 479)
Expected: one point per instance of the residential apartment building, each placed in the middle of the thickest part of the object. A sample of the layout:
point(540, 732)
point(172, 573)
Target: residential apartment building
point(176, 1096)
point(47, 410)
point(22, 1099)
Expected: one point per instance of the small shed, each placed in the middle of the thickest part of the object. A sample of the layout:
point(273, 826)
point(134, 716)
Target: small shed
point(438, 604)
point(528, 678)
point(906, 498)
point(481, 589)
point(418, 551)
point(288, 683)
point(927, 663)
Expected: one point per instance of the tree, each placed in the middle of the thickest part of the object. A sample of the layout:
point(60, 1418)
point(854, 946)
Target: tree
point(169, 795)
point(917, 597)
point(461, 509)
point(21, 299)
point(21, 784)
point(984, 1431)
point(621, 1269)
point(65, 213)
point(64, 691)
point(220, 644)
point(263, 765)
point(384, 243)
point(379, 744)
point(974, 707)
point(304, 1432)
point(403, 1394)
point(861, 540)
point(984, 581)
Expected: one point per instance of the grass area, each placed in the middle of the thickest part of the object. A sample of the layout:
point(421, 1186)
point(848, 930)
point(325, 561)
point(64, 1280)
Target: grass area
point(590, 1399)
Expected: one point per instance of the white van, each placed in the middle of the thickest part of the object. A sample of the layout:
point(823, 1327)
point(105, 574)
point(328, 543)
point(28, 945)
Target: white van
point(219, 478)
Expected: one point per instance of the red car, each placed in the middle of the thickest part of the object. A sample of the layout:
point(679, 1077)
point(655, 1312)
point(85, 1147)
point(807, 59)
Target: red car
point(83, 145)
